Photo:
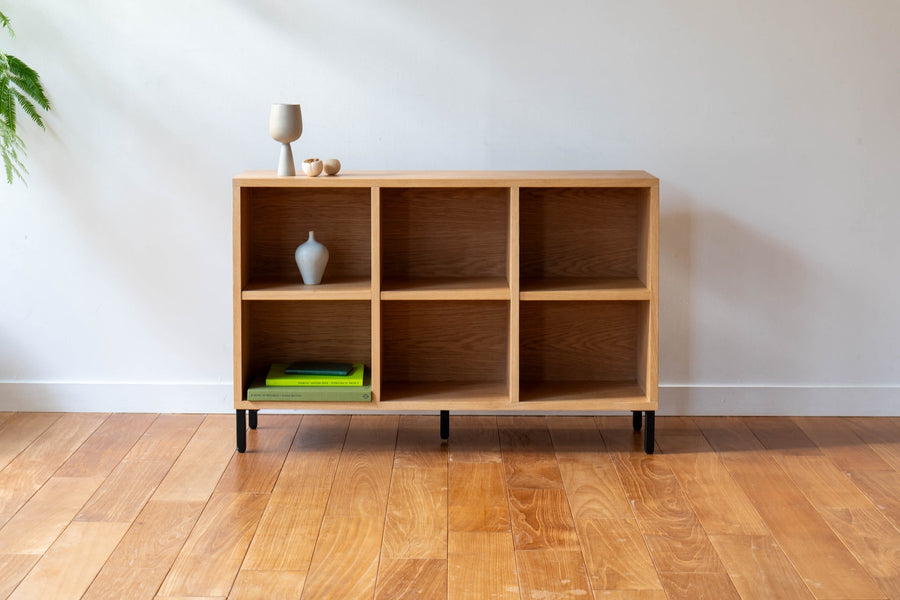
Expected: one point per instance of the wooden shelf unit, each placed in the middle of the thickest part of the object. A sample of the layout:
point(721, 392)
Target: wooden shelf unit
point(493, 291)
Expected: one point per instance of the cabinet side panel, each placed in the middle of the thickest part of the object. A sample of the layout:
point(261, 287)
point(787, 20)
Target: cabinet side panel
point(239, 279)
point(648, 357)
point(376, 293)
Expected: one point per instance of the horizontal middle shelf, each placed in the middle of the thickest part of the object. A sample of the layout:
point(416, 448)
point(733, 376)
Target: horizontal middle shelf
point(445, 288)
point(583, 288)
point(339, 288)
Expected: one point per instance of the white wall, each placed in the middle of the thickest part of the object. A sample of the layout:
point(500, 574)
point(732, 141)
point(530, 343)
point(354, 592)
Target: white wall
point(774, 127)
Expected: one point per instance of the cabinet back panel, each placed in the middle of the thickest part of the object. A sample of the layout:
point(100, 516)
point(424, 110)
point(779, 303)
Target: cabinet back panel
point(444, 340)
point(280, 219)
point(283, 331)
point(580, 232)
point(444, 232)
point(579, 341)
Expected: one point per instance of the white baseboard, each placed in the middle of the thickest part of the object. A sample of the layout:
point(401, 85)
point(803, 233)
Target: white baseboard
point(673, 399)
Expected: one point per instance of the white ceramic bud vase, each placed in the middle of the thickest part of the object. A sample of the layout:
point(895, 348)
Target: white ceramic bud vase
point(311, 257)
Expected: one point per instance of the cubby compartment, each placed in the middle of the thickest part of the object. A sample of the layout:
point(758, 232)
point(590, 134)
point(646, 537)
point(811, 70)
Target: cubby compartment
point(586, 243)
point(452, 351)
point(576, 351)
point(450, 243)
point(277, 220)
point(286, 331)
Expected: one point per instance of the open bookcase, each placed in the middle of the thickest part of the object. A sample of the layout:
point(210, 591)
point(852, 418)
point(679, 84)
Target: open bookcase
point(474, 291)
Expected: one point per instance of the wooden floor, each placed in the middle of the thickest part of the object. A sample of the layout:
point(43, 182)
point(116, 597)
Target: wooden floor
point(333, 507)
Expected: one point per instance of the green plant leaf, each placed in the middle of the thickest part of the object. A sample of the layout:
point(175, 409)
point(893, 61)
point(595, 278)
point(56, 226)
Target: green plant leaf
point(29, 108)
point(27, 80)
point(4, 23)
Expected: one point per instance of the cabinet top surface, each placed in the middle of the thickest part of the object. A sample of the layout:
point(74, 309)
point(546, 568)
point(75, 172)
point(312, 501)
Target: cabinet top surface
point(451, 179)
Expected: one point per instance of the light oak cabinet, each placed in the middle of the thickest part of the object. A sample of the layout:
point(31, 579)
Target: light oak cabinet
point(475, 291)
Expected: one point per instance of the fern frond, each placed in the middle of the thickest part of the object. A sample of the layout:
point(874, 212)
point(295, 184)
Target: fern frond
point(28, 107)
point(27, 80)
point(10, 146)
point(4, 23)
point(7, 106)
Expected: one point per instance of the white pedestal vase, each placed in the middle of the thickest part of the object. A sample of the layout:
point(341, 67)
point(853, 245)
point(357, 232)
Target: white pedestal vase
point(311, 257)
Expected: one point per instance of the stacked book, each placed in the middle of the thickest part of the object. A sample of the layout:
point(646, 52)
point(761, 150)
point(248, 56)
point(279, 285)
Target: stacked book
point(312, 382)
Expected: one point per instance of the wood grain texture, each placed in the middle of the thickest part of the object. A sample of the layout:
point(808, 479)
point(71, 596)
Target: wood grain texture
point(552, 574)
point(257, 470)
point(106, 446)
point(69, 566)
point(481, 565)
point(13, 569)
point(759, 568)
point(18, 430)
point(616, 555)
point(841, 444)
point(345, 563)
point(418, 445)
point(46, 514)
point(363, 476)
point(213, 553)
point(165, 438)
point(477, 497)
point(474, 439)
point(444, 232)
point(25, 474)
point(690, 586)
point(415, 524)
point(411, 578)
point(194, 476)
point(528, 456)
point(125, 492)
point(541, 519)
point(872, 540)
point(268, 585)
point(883, 489)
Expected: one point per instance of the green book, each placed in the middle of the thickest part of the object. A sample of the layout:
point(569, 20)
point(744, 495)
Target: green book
point(260, 392)
point(278, 378)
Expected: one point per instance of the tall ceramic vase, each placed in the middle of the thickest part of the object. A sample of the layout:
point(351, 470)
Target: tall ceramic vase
point(311, 257)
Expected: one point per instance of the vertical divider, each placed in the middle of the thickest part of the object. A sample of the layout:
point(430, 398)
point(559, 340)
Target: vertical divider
point(375, 285)
point(240, 268)
point(512, 265)
point(652, 259)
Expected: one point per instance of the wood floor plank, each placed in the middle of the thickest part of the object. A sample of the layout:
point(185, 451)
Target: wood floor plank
point(720, 505)
point(616, 556)
point(106, 446)
point(882, 435)
point(594, 491)
point(46, 514)
point(268, 585)
point(345, 563)
point(841, 444)
point(419, 443)
point(213, 553)
point(195, 473)
point(630, 595)
point(166, 437)
point(552, 574)
point(577, 440)
point(477, 497)
point(287, 532)
point(474, 439)
point(19, 430)
point(527, 449)
point(416, 520)
point(257, 469)
point(883, 489)
point(541, 519)
point(874, 542)
point(314, 455)
point(824, 485)
point(25, 474)
point(139, 564)
point(411, 578)
point(13, 569)
point(820, 558)
point(781, 436)
point(759, 568)
point(481, 565)
point(363, 476)
point(690, 586)
point(69, 566)
point(125, 492)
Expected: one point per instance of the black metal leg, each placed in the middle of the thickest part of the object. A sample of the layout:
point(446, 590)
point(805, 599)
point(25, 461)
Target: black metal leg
point(649, 430)
point(445, 424)
point(252, 416)
point(241, 429)
point(636, 419)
